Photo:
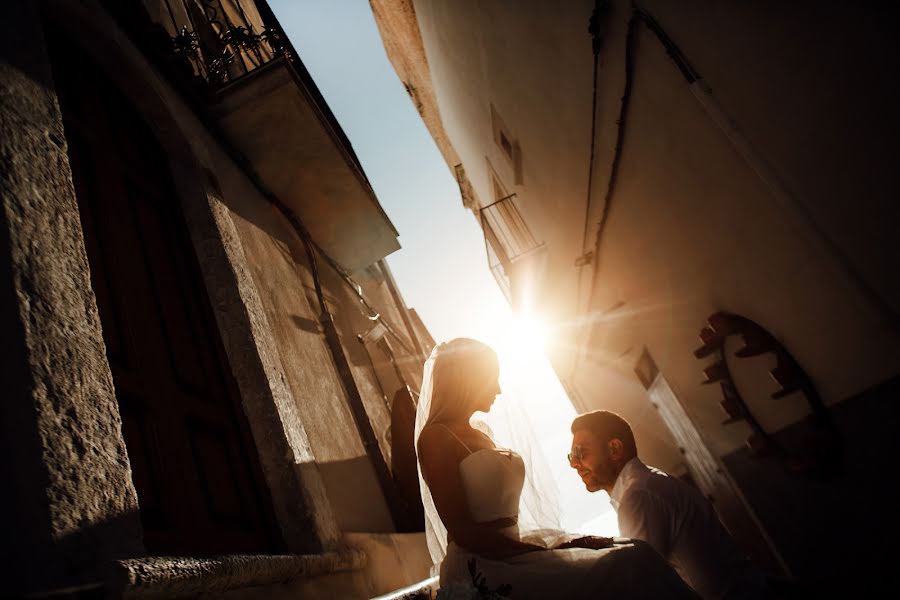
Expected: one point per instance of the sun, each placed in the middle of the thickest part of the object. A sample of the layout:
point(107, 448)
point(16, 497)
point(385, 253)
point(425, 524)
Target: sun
point(520, 341)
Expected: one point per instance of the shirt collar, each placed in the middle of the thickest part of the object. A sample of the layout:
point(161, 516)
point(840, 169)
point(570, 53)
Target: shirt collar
point(632, 470)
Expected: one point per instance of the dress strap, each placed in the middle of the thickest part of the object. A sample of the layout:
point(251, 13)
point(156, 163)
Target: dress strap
point(466, 446)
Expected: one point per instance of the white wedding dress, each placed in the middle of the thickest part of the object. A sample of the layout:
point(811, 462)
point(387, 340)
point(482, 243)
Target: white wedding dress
point(493, 479)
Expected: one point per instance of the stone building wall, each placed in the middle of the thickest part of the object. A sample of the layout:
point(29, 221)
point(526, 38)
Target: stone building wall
point(74, 510)
point(60, 424)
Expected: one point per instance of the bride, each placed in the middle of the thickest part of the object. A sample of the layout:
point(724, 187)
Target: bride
point(471, 491)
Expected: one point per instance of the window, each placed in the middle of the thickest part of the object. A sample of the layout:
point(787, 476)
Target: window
point(508, 145)
point(506, 222)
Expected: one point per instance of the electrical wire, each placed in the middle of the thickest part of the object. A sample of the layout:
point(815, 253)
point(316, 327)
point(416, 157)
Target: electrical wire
point(357, 290)
point(596, 45)
point(594, 29)
point(630, 40)
point(690, 75)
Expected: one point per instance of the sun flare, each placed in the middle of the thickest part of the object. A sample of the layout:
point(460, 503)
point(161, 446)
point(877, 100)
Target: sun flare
point(521, 341)
point(528, 381)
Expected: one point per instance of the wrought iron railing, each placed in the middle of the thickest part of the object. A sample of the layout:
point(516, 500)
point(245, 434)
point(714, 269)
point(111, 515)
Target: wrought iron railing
point(201, 45)
point(507, 240)
point(220, 39)
point(497, 261)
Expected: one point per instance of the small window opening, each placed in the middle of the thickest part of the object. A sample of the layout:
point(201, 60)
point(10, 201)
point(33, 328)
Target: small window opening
point(506, 145)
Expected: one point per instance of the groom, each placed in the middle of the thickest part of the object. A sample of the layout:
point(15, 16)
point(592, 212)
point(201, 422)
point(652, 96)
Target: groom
point(667, 513)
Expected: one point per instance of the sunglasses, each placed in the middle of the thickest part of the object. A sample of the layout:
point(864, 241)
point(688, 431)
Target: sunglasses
point(576, 454)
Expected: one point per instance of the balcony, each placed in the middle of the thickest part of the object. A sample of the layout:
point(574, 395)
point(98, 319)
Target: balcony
point(269, 109)
point(516, 259)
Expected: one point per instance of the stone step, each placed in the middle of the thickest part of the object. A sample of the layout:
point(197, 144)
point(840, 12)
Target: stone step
point(422, 590)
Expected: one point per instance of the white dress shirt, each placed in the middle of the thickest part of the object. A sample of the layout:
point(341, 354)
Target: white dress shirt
point(682, 526)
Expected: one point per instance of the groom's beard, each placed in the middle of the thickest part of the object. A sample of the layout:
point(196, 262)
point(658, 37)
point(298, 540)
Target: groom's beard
point(597, 476)
point(591, 483)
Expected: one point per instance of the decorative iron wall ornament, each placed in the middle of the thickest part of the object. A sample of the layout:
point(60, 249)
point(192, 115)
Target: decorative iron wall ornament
point(819, 450)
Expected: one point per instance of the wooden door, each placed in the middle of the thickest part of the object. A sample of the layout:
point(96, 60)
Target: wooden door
point(193, 461)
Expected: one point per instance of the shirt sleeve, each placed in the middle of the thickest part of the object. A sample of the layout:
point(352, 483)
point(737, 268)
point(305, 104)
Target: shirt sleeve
point(643, 516)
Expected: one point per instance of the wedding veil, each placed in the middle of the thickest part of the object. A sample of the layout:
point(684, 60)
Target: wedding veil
point(538, 518)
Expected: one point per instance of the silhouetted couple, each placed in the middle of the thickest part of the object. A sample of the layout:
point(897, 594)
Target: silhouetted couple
point(472, 491)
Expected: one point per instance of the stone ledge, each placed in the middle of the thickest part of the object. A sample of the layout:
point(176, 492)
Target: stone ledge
point(418, 591)
point(174, 576)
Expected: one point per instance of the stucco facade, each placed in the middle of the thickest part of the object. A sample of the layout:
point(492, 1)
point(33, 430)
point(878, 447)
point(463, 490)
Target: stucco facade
point(313, 391)
point(757, 180)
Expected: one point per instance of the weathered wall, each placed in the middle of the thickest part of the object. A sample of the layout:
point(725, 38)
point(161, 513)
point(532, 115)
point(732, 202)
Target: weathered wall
point(199, 166)
point(422, 333)
point(404, 340)
point(68, 503)
point(288, 296)
point(290, 391)
point(692, 227)
point(72, 507)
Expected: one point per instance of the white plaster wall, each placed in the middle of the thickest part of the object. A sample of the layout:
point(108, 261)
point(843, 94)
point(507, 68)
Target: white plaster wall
point(692, 228)
point(502, 53)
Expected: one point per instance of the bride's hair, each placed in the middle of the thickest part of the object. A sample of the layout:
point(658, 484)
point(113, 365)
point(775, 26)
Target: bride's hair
point(463, 368)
